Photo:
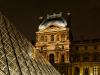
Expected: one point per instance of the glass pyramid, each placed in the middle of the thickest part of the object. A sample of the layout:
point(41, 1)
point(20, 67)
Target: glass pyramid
point(18, 56)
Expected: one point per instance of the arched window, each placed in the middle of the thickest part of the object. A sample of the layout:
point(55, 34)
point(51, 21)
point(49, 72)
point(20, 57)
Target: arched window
point(62, 37)
point(52, 37)
point(86, 71)
point(62, 58)
point(42, 38)
point(51, 58)
point(77, 71)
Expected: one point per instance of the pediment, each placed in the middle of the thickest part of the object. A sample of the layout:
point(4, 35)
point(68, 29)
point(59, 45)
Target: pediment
point(52, 28)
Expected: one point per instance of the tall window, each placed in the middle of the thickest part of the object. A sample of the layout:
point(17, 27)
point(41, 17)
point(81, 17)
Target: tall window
point(77, 71)
point(62, 46)
point(37, 38)
point(63, 37)
point(76, 57)
point(42, 38)
point(77, 48)
point(85, 56)
point(86, 47)
point(62, 58)
point(57, 37)
point(52, 37)
point(51, 58)
point(95, 47)
point(96, 56)
point(86, 71)
point(45, 38)
point(95, 70)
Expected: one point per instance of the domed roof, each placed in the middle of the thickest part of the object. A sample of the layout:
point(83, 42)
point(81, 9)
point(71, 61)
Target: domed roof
point(55, 19)
point(18, 56)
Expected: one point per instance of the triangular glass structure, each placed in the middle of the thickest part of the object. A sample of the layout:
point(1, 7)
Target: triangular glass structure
point(17, 55)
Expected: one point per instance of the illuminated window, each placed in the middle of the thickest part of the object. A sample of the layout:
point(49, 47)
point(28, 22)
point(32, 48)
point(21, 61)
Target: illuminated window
point(52, 37)
point(63, 37)
point(95, 70)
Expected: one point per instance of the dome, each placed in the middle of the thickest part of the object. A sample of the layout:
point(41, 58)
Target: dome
point(17, 54)
point(55, 19)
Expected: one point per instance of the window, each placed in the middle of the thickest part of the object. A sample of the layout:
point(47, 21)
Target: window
point(77, 48)
point(62, 58)
point(62, 46)
point(51, 58)
point(37, 38)
point(77, 71)
point(86, 71)
point(86, 57)
point(96, 56)
point(76, 57)
point(42, 38)
point(45, 38)
point(95, 70)
point(57, 38)
point(41, 48)
point(45, 47)
point(95, 47)
point(52, 37)
point(63, 37)
point(86, 47)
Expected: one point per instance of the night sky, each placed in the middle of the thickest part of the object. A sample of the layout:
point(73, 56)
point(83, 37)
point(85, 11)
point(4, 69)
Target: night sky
point(24, 14)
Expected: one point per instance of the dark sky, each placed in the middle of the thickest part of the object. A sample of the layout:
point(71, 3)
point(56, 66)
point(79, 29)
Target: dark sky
point(24, 15)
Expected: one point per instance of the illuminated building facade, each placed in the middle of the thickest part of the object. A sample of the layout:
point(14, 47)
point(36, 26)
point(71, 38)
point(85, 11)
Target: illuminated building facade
point(54, 41)
point(85, 57)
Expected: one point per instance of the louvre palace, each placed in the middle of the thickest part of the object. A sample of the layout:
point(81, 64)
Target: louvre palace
point(54, 40)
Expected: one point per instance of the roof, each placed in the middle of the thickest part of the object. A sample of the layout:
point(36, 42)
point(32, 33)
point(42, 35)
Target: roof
point(55, 19)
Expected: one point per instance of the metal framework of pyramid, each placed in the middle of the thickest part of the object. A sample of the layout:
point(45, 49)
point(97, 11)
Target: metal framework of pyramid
point(18, 56)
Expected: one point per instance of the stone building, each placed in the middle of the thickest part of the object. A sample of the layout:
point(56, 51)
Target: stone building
point(54, 41)
point(17, 54)
point(85, 57)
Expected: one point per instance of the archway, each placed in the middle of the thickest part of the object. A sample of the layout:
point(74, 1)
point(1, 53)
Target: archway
point(51, 58)
point(86, 71)
point(77, 71)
